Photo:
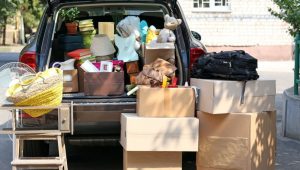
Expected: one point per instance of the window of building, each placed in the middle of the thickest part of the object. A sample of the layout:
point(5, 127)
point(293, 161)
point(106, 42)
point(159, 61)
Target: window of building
point(212, 5)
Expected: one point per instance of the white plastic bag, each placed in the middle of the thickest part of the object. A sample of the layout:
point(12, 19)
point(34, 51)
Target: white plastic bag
point(128, 26)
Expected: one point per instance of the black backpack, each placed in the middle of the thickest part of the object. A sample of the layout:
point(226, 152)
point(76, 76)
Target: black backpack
point(227, 65)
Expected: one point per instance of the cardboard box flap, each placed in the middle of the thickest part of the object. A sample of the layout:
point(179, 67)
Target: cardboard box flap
point(160, 46)
point(225, 125)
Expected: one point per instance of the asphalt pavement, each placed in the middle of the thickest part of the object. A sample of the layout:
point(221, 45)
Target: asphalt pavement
point(8, 57)
point(288, 150)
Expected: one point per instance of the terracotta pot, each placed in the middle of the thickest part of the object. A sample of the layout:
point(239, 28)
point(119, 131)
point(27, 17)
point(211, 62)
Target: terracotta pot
point(71, 28)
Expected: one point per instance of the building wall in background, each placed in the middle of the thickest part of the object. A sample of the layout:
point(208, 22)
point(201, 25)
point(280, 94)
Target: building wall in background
point(244, 25)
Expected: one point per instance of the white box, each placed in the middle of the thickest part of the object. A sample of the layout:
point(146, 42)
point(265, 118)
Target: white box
point(159, 134)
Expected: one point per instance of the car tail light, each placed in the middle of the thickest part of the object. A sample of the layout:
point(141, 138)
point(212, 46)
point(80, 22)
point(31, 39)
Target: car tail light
point(29, 58)
point(194, 54)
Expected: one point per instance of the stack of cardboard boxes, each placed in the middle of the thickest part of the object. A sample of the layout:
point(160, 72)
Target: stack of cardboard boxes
point(237, 125)
point(164, 127)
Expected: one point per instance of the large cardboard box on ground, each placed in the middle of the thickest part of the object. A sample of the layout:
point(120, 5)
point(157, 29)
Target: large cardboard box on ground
point(159, 134)
point(164, 51)
point(152, 160)
point(220, 96)
point(244, 141)
point(165, 102)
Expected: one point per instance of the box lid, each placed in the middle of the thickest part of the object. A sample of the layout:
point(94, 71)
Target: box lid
point(224, 88)
point(160, 46)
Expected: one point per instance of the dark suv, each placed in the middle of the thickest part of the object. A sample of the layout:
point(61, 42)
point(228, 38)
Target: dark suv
point(97, 119)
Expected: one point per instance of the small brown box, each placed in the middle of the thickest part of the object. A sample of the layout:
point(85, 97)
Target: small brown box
point(132, 67)
point(104, 83)
point(70, 86)
point(165, 51)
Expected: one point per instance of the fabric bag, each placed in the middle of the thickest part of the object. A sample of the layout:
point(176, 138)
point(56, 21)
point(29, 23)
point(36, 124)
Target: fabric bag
point(153, 73)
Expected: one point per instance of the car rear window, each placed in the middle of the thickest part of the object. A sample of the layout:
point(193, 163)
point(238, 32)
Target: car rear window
point(152, 13)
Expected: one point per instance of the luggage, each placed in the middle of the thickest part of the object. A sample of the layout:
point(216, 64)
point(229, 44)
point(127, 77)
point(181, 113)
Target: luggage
point(70, 42)
point(227, 65)
point(70, 39)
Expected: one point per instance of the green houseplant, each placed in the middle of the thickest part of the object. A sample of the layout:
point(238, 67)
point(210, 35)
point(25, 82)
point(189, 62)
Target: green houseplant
point(70, 15)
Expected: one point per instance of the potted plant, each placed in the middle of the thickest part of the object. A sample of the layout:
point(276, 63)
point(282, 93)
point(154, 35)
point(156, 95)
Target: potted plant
point(70, 15)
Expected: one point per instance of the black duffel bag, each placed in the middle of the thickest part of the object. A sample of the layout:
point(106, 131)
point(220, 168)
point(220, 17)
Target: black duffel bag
point(226, 65)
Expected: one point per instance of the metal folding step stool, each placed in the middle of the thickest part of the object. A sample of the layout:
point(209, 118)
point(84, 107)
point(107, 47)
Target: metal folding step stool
point(64, 126)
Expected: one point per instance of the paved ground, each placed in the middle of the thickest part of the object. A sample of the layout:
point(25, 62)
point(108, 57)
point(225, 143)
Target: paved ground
point(288, 150)
point(8, 57)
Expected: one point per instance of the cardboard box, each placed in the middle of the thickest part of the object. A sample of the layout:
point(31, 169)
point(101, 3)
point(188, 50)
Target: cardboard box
point(132, 67)
point(158, 134)
point(165, 102)
point(219, 96)
point(70, 81)
point(107, 28)
point(164, 51)
point(237, 141)
point(104, 83)
point(152, 160)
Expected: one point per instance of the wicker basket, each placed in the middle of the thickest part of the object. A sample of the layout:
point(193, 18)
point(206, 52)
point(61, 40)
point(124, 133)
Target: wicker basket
point(43, 89)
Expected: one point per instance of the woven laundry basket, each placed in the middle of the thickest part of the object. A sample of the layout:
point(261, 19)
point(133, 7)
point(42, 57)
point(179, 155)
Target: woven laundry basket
point(43, 89)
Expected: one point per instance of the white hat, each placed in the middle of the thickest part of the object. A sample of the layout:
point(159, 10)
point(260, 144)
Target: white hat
point(101, 46)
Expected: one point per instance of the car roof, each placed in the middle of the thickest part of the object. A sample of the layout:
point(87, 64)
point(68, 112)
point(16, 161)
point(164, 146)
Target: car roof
point(56, 2)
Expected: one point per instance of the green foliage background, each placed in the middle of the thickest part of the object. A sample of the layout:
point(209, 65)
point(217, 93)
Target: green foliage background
point(7, 9)
point(289, 11)
point(32, 11)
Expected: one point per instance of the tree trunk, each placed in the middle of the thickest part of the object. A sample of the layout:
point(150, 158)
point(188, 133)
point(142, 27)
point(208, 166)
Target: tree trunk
point(4, 31)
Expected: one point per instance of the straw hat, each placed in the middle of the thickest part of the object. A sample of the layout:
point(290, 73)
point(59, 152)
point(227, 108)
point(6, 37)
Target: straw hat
point(101, 46)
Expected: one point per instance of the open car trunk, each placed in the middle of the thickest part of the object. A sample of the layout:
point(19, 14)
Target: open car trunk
point(153, 14)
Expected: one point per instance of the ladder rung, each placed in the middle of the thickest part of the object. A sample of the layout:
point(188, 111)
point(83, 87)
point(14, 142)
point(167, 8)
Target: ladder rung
point(38, 132)
point(22, 162)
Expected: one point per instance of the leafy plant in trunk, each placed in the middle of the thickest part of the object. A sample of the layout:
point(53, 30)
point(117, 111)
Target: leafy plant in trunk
point(70, 16)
